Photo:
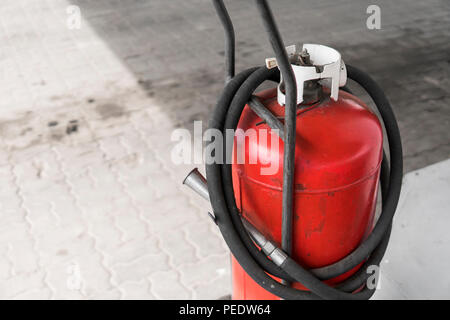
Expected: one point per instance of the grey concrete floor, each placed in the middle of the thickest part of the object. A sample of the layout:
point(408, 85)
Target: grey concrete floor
point(175, 48)
point(416, 262)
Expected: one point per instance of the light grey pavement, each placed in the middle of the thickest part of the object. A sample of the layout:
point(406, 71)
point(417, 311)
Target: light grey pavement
point(91, 205)
point(416, 262)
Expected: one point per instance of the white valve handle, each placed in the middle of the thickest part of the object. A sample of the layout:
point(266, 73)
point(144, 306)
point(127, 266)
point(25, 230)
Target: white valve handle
point(328, 66)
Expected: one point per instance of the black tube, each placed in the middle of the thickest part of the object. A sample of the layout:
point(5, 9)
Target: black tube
point(229, 39)
point(228, 109)
point(234, 110)
point(243, 94)
point(226, 115)
point(221, 212)
point(360, 277)
point(395, 179)
point(354, 282)
point(266, 115)
point(289, 124)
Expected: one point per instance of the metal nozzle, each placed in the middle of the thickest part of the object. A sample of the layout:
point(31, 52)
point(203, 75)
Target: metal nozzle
point(197, 182)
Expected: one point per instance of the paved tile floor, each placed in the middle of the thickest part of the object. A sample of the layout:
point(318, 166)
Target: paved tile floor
point(92, 206)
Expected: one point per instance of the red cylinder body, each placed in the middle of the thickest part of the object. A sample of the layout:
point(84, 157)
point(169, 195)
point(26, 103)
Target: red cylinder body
point(337, 166)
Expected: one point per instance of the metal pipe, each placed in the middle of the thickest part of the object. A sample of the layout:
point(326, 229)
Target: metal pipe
point(197, 182)
point(291, 103)
point(229, 39)
point(290, 123)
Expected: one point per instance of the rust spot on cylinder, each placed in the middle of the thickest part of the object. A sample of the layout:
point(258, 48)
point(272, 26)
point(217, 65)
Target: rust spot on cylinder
point(299, 187)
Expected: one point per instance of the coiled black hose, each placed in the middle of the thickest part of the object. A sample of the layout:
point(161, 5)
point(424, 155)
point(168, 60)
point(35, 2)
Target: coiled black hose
point(226, 115)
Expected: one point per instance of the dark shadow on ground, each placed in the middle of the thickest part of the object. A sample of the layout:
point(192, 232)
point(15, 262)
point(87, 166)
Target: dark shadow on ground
point(175, 49)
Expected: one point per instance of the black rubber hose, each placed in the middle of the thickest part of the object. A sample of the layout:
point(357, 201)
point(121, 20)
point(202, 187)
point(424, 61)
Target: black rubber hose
point(234, 112)
point(242, 95)
point(360, 277)
point(221, 212)
point(291, 267)
point(395, 179)
point(232, 119)
point(229, 224)
point(354, 282)
point(227, 114)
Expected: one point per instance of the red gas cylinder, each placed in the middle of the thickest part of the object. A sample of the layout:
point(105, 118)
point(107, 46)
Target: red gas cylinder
point(337, 166)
